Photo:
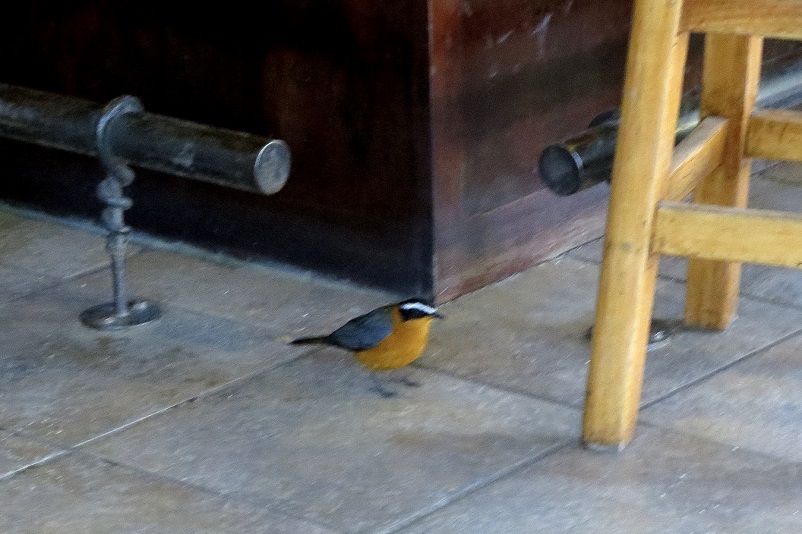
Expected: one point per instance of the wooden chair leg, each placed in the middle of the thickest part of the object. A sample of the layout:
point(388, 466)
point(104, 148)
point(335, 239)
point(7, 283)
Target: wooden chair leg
point(712, 292)
point(652, 90)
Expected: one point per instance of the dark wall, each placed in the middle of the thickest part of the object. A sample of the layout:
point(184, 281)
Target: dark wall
point(343, 82)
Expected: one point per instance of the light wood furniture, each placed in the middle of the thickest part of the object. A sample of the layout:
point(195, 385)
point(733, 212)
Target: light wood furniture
point(648, 214)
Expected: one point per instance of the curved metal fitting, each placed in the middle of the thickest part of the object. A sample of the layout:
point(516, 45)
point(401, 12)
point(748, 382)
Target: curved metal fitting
point(121, 313)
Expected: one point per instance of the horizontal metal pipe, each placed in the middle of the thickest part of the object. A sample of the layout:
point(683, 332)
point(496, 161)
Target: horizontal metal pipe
point(147, 140)
point(586, 158)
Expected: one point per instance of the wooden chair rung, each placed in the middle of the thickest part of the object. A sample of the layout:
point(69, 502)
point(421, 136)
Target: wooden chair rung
point(730, 234)
point(775, 134)
point(780, 19)
point(696, 156)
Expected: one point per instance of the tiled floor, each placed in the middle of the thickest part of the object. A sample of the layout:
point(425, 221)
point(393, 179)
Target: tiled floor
point(207, 421)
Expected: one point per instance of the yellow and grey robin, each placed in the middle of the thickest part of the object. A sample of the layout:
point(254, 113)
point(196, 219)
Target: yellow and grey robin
point(389, 337)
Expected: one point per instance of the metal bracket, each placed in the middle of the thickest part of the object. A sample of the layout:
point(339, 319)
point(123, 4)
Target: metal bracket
point(121, 313)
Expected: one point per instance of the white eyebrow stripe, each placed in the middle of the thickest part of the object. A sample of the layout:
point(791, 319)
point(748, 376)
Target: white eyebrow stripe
point(420, 307)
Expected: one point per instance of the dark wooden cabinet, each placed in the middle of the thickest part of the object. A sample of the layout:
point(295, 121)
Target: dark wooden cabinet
point(415, 127)
point(507, 79)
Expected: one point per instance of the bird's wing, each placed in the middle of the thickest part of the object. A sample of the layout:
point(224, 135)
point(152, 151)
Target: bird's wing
point(366, 331)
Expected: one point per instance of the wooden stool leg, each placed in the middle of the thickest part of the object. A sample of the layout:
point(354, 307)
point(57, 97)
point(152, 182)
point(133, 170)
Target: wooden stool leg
point(649, 111)
point(730, 82)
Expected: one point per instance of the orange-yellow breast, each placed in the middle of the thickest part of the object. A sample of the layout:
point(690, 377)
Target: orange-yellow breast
point(401, 347)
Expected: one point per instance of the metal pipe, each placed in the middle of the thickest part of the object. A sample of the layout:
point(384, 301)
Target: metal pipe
point(122, 134)
point(147, 140)
point(586, 158)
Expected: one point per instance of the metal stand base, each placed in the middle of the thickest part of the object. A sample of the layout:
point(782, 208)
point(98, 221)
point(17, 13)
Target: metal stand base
point(105, 316)
point(660, 331)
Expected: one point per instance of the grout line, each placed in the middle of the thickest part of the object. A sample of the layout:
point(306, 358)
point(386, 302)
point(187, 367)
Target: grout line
point(767, 300)
point(502, 388)
point(41, 461)
point(237, 498)
point(126, 425)
point(654, 426)
point(473, 488)
point(57, 283)
point(208, 491)
point(199, 396)
point(160, 411)
point(724, 367)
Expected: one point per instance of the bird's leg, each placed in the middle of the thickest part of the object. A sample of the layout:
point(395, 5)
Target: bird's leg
point(379, 386)
point(405, 377)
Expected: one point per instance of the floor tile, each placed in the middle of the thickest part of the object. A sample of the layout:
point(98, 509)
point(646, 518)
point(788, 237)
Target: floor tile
point(756, 404)
point(16, 282)
point(661, 484)
point(67, 383)
point(78, 493)
point(17, 452)
point(528, 333)
point(776, 285)
point(222, 427)
point(778, 188)
point(45, 248)
point(311, 437)
point(284, 302)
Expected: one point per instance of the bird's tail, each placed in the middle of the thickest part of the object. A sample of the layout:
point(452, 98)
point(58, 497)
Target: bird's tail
point(310, 340)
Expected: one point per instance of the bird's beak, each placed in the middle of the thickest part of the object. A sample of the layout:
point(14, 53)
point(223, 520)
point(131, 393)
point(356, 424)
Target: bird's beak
point(438, 315)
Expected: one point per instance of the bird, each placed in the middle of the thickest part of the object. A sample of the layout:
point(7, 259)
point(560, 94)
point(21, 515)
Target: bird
point(387, 338)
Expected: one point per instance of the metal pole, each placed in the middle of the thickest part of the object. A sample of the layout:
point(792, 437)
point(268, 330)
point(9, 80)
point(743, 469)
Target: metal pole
point(147, 140)
point(586, 158)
